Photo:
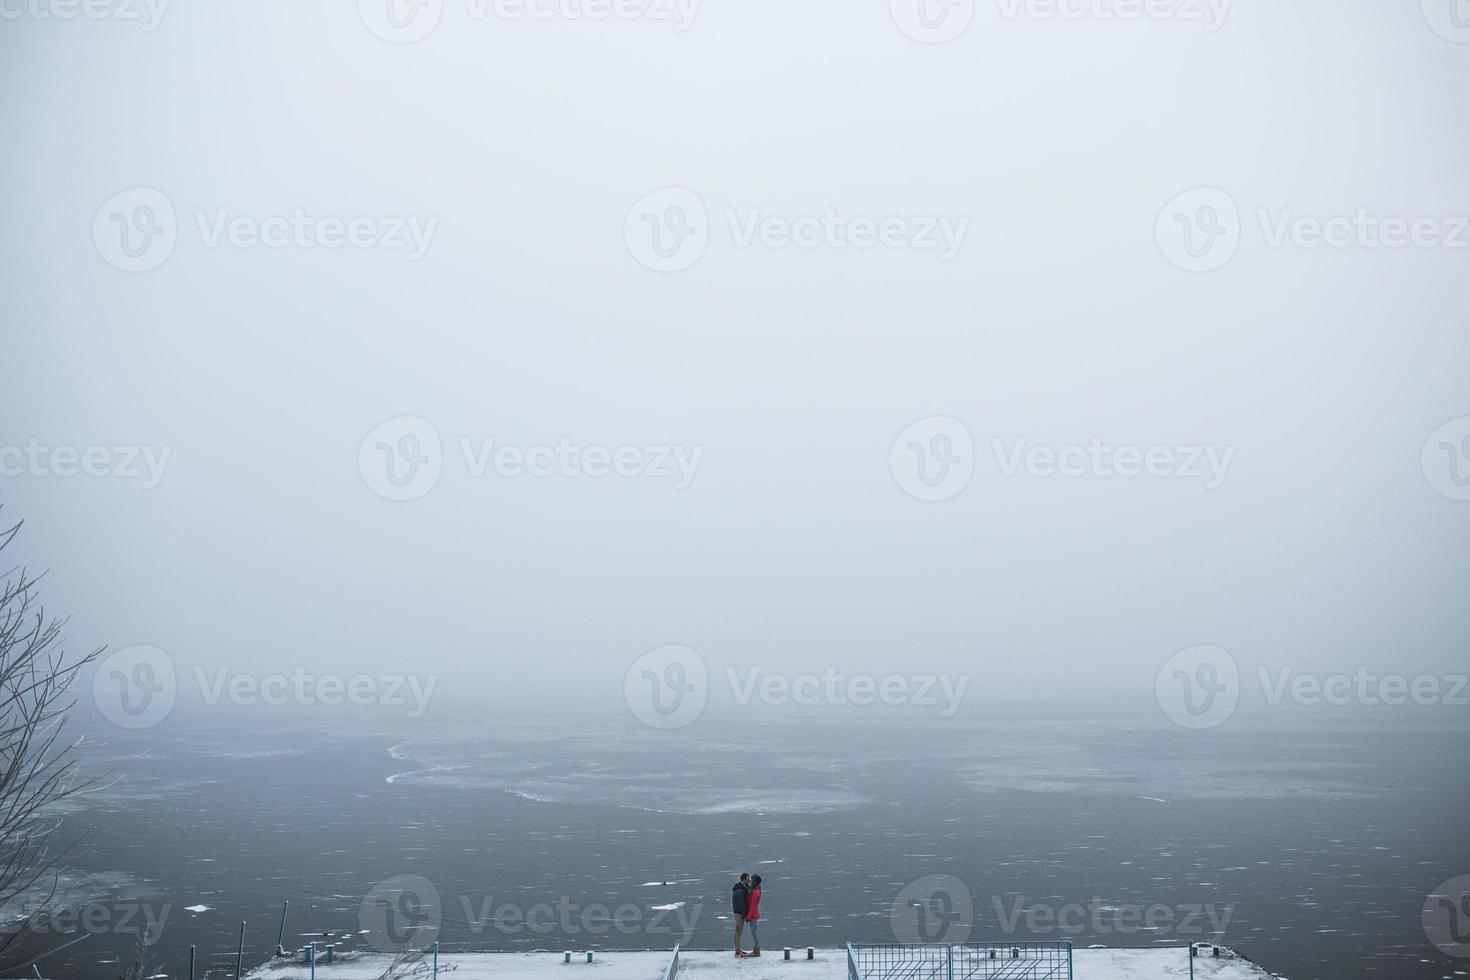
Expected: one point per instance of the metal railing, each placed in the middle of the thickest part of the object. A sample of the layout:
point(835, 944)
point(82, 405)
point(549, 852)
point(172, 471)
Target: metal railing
point(961, 961)
point(672, 970)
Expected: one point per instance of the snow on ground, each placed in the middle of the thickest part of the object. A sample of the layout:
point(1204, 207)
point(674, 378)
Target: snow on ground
point(494, 966)
point(830, 964)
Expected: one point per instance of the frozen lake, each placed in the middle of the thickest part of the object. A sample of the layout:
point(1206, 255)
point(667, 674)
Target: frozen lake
point(1309, 848)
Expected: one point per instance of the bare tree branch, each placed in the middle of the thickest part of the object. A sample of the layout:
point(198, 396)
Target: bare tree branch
point(37, 770)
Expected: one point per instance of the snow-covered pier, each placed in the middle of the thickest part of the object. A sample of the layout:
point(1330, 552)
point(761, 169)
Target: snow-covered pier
point(828, 964)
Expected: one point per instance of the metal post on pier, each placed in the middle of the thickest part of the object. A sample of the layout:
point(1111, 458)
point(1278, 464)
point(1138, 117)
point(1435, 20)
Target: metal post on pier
point(1191, 961)
point(311, 958)
point(949, 962)
point(281, 936)
point(191, 963)
point(240, 953)
point(1069, 959)
point(436, 959)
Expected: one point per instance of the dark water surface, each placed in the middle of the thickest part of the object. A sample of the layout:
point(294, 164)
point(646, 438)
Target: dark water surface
point(1313, 843)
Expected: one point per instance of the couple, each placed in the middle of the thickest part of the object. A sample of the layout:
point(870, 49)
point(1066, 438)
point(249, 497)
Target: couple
point(745, 903)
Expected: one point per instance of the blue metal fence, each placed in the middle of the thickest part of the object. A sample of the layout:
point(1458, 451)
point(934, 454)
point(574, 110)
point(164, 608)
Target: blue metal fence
point(961, 961)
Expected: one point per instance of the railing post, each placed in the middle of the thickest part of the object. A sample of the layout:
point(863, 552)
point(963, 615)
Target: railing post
point(1069, 959)
point(949, 962)
point(281, 936)
point(436, 959)
point(311, 958)
point(240, 953)
point(191, 963)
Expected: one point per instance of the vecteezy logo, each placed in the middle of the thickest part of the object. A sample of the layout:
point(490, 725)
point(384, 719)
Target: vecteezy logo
point(135, 230)
point(1199, 231)
point(400, 913)
point(1450, 19)
point(402, 458)
point(401, 21)
point(1446, 917)
point(932, 21)
point(934, 909)
point(933, 459)
point(668, 230)
point(135, 687)
point(1199, 687)
point(667, 687)
point(1446, 459)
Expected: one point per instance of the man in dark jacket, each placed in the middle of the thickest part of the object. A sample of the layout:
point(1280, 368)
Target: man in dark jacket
point(739, 896)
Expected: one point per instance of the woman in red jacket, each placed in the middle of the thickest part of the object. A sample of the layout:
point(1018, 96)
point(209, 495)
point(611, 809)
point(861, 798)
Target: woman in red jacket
point(753, 915)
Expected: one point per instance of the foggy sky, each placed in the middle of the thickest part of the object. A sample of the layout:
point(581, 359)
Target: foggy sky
point(792, 371)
